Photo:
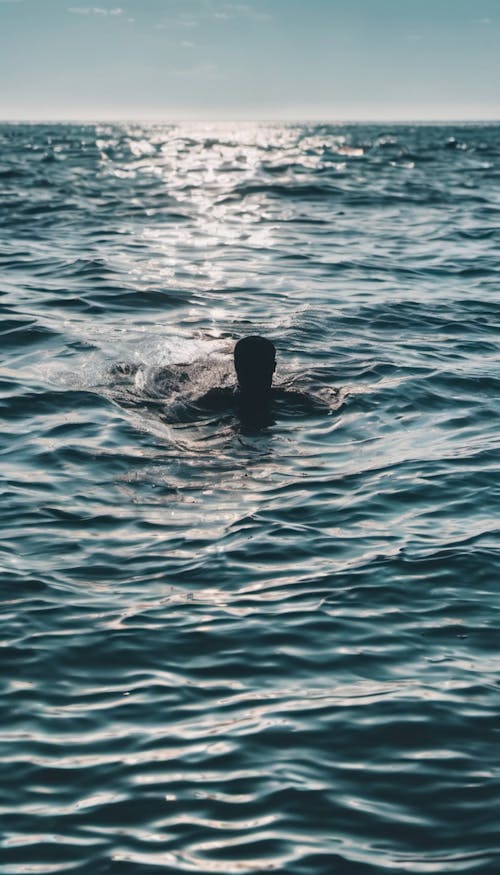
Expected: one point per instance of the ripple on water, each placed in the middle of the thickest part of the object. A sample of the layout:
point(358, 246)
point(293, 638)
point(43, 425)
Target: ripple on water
point(234, 650)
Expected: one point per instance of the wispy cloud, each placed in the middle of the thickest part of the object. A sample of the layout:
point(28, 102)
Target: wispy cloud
point(219, 11)
point(237, 10)
point(482, 21)
point(185, 20)
point(95, 10)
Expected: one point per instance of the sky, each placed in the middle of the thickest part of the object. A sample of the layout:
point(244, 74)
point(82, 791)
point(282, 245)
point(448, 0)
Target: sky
point(330, 60)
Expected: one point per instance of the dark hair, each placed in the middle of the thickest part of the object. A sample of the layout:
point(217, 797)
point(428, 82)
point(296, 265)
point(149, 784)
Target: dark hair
point(254, 362)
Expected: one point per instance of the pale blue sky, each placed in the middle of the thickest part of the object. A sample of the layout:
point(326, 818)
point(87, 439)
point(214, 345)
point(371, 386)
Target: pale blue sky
point(265, 59)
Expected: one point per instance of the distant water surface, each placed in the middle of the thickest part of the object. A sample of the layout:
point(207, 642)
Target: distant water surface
point(229, 650)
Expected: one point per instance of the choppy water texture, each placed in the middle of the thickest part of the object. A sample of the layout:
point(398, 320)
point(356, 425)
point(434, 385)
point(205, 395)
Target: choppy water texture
point(230, 651)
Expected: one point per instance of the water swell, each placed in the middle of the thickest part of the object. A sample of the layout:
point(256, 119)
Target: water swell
point(228, 651)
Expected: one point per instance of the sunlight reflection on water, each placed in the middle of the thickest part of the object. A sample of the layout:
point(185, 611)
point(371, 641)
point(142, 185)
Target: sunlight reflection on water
point(229, 650)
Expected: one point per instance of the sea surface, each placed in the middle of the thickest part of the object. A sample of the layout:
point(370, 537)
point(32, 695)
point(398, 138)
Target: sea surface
point(241, 650)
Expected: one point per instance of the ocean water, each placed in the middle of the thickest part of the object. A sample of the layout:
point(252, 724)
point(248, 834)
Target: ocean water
point(232, 650)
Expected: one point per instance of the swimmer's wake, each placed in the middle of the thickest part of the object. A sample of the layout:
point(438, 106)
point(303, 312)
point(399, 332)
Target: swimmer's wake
point(252, 399)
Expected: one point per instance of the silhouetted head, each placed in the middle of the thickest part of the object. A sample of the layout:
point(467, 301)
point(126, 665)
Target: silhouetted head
point(255, 363)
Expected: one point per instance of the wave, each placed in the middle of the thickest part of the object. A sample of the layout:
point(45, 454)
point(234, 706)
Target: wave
point(229, 649)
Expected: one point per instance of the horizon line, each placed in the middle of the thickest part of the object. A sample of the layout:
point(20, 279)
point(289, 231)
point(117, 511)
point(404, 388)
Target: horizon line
point(263, 120)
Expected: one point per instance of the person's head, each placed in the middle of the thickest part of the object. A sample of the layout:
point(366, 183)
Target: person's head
point(255, 363)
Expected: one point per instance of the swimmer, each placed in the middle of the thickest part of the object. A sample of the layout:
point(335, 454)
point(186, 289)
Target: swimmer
point(254, 395)
point(253, 399)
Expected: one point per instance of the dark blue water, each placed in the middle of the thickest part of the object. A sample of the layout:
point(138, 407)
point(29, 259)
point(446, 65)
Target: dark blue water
point(229, 650)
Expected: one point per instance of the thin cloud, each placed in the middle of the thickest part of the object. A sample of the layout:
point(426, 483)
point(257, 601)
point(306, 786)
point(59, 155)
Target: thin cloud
point(187, 21)
point(239, 7)
point(94, 10)
point(240, 10)
point(222, 12)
